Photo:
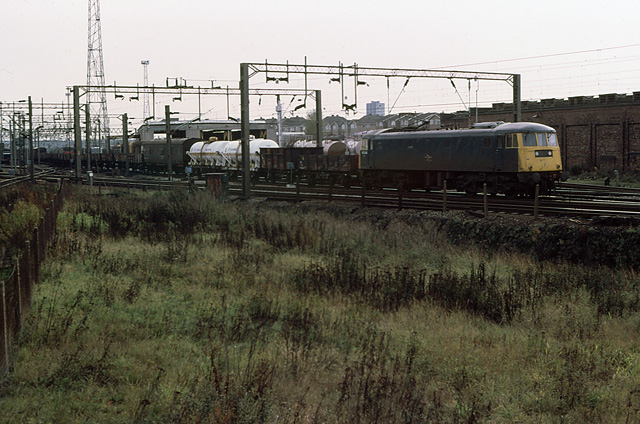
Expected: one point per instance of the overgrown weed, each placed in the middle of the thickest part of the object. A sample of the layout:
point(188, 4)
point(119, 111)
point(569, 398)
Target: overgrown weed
point(184, 309)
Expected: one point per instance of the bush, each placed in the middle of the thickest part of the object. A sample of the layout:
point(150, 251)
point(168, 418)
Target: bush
point(16, 226)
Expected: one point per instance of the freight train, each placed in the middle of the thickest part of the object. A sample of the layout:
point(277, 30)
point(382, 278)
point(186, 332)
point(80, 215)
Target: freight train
point(510, 158)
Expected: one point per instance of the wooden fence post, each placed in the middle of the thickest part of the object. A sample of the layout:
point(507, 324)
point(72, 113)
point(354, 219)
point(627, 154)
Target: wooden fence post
point(6, 357)
point(535, 202)
point(364, 193)
point(444, 196)
point(18, 290)
point(330, 188)
point(486, 205)
point(37, 249)
point(25, 290)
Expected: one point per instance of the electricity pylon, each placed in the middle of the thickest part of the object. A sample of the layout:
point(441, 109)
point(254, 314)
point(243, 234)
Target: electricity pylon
point(96, 99)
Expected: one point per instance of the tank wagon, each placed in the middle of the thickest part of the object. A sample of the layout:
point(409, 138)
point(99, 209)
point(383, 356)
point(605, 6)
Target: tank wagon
point(226, 155)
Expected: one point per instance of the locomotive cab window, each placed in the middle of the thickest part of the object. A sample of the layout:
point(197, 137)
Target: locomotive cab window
point(542, 139)
point(553, 140)
point(529, 140)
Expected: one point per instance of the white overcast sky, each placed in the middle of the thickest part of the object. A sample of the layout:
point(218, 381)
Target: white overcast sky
point(561, 48)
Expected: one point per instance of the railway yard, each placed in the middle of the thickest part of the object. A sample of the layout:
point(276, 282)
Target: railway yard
point(249, 229)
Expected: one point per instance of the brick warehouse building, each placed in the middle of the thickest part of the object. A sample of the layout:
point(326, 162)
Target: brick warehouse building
point(600, 132)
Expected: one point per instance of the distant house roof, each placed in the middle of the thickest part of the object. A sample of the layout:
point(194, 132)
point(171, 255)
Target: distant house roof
point(334, 119)
point(370, 119)
point(294, 121)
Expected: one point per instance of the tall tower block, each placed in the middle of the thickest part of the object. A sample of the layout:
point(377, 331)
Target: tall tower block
point(96, 98)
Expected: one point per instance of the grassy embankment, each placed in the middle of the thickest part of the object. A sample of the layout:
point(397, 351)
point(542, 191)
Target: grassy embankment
point(169, 308)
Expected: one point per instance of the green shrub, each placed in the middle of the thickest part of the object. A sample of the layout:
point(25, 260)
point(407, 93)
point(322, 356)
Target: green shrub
point(16, 225)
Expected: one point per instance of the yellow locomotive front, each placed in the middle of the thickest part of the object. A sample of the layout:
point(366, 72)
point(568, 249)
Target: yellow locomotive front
point(539, 152)
point(534, 154)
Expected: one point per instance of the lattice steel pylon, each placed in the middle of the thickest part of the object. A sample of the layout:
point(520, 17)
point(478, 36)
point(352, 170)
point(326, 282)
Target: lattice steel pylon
point(96, 99)
point(146, 111)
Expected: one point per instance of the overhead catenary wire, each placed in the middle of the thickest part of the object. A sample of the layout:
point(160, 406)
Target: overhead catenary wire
point(542, 56)
point(400, 94)
point(456, 88)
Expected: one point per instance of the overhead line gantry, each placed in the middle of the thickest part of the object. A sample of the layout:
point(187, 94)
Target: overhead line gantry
point(339, 72)
point(119, 91)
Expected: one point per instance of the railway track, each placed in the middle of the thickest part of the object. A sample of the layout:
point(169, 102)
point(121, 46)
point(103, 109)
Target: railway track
point(10, 180)
point(547, 205)
point(591, 191)
point(140, 184)
point(571, 200)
